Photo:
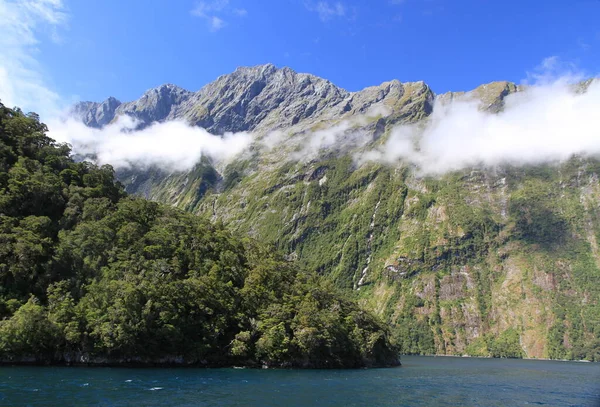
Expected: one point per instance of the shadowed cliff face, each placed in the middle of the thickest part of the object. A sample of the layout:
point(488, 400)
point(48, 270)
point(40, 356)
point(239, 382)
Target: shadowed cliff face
point(500, 261)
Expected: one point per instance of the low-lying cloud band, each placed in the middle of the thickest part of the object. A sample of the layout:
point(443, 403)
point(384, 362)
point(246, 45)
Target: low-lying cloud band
point(545, 123)
point(172, 145)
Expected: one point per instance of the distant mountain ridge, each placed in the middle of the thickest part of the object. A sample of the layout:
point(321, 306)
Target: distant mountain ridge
point(264, 97)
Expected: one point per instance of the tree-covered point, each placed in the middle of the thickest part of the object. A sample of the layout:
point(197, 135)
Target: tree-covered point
point(88, 274)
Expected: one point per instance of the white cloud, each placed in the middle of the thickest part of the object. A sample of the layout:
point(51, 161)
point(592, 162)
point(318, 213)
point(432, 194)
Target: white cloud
point(212, 12)
point(216, 23)
point(326, 10)
point(343, 136)
point(205, 8)
point(548, 122)
point(172, 145)
point(554, 70)
point(346, 134)
point(21, 78)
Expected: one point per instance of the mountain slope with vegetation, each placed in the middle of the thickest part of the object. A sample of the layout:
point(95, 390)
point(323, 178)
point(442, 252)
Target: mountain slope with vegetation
point(499, 261)
point(91, 275)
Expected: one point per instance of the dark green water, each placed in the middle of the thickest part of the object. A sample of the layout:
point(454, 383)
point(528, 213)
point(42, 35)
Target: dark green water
point(421, 381)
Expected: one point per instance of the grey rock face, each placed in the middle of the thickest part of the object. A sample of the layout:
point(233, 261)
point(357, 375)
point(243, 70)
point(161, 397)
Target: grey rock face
point(491, 96)
point(261, 98)
point(95, 114)
point(156, 104)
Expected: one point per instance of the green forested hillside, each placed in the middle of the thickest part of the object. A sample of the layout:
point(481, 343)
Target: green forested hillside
point(490, 262)
point(88, 274)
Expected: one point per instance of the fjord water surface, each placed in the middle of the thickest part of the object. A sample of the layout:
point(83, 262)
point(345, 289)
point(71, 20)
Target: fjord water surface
point(421, 381)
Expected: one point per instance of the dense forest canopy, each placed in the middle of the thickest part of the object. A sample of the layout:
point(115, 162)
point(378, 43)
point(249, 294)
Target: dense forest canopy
point(89, 274)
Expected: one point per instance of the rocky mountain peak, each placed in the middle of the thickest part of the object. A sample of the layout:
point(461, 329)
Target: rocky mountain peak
point(156, 104)
point(263, 70)
point(260, 97)
point(490, 95)
point(112, 101)
point(167, 88)
point(96, 114)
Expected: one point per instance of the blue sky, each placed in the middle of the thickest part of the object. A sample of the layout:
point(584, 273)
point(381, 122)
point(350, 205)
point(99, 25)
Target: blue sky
point(94, 49)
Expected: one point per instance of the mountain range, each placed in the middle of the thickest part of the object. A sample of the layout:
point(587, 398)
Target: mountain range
point(486, 261)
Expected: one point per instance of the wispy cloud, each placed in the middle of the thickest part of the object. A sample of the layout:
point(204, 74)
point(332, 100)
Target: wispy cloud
point(216, 23)
point(21, 79)
point(206, 8)
point(583, 45)
point(213, 13)
point(326, 10)
point(553, 69)
point(240, 12)
point(342, 136)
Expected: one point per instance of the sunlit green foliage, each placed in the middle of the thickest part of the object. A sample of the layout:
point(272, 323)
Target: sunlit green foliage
point(86, 270)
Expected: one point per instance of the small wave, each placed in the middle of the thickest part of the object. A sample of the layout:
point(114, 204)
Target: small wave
point(155, 388)
point(128, 381)
point(85, 384)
